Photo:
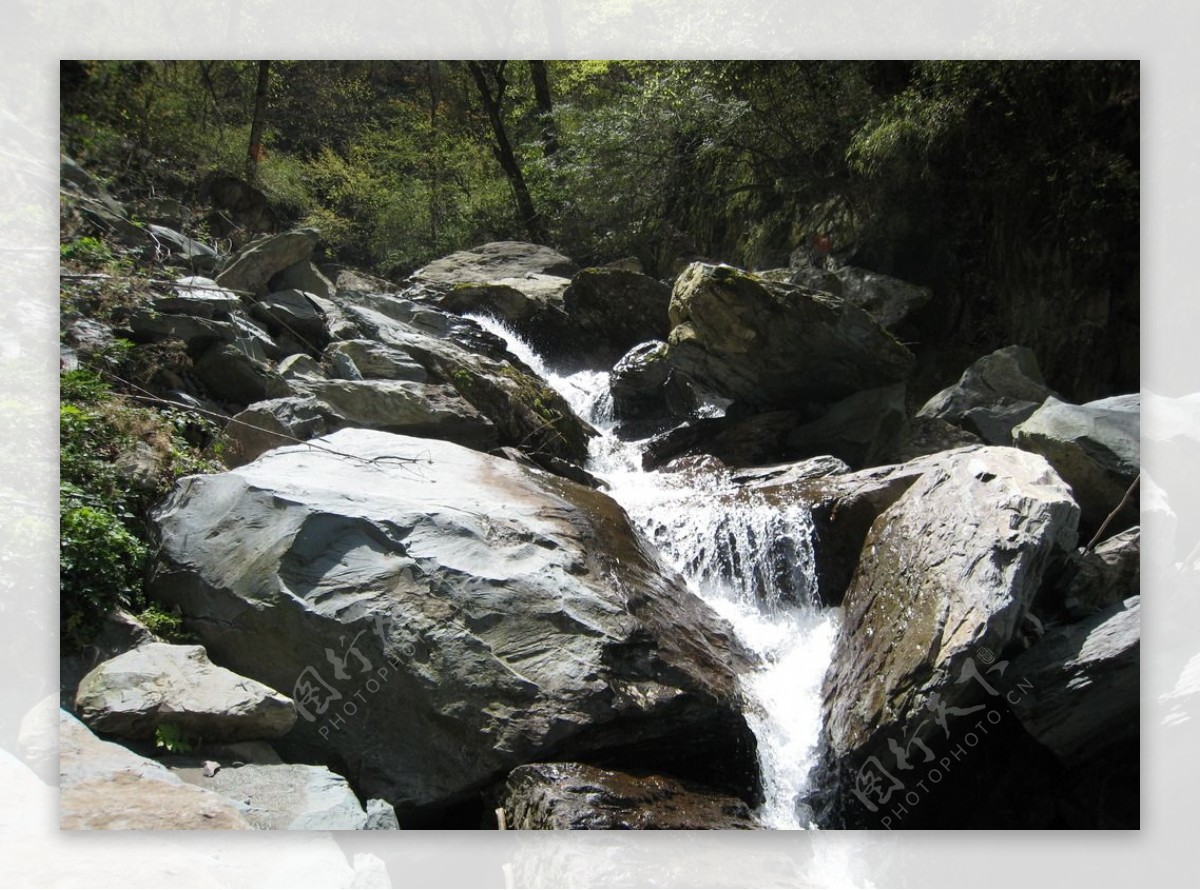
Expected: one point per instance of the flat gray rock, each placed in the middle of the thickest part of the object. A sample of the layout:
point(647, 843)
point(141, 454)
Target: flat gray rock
point(105, 786)
point(160, 683)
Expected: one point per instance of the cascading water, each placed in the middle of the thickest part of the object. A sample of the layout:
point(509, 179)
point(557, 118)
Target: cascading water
point(749, 559)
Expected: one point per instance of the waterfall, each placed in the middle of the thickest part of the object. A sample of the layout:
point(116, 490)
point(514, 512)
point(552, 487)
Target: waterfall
point(749, 559)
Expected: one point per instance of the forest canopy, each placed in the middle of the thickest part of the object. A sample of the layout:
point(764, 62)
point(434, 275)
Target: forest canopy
point(994, 183)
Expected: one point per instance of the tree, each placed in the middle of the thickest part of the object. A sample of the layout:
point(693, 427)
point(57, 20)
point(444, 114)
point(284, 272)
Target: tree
point(255, 152)
point(492, 85)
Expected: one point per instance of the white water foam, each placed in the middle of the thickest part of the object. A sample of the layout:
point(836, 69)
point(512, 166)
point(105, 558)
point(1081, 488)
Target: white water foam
point(749, 559)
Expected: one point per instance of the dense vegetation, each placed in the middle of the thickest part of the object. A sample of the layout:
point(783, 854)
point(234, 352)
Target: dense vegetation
point(1010, 188)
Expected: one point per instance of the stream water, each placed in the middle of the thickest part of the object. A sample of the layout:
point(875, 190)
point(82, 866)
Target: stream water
point(750, 560)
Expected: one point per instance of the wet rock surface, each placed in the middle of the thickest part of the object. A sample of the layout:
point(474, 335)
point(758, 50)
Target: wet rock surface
point(511, 614)
point(574, 796)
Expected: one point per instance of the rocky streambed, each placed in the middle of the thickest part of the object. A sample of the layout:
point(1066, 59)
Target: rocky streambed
point(519, 543)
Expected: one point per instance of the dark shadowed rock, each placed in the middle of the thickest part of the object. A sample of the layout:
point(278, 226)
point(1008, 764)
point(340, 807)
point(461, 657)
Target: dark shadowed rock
point(574, 796)
point(638, 381)
point(993, 395)
point(232, 376)
point(771, 345)
point(609, 311)
point(489, 616)
point(273, 424)
point(888, 300)
point(860, 430)
point(157, 683)
point(1105, 576)
point(1083, 680)
point(292, 312)
point(105, 786)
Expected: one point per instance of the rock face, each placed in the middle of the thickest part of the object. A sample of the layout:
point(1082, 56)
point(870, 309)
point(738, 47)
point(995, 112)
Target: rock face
point(993, 395)
point(860, 430)
point(638, 381)
point(524, 410)
point(157, 683)
point(104, 786)
point(403, 406)
point(443, 616)
point(945, 578)
point(274, 423)
point(610, 311)
point(888, 300)
point(285, 797)
point(495, 261)
point(771, 345)
point(574, 796)
point(1105, 576)
point(259, 261)
point(1096, 449)
point(1083, 681)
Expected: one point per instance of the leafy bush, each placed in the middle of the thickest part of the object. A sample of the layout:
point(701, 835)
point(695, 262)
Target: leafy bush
point(116, 461)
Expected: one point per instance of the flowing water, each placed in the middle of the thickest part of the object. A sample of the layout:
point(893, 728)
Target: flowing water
point(750, 560)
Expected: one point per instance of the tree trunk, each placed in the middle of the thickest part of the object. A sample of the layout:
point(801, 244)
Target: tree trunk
point(255, 151)
point(493, 104)
point(545, 107)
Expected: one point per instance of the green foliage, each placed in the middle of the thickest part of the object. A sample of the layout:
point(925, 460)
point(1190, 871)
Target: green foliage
point(116, 461)
point(172, 738)
point(87, 251)
point(163, 624)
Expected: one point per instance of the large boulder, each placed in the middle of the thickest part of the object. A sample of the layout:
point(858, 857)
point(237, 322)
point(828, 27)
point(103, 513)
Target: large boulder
point(609, 311)
point(1080, 684)
point(434, 410)
point(292, 312)
point(1095, 447)
point(259, 261)
point(368, 360)
point(526, 412)
point(993, 395)
point(945, 578)
point(284, 796)
point(159, 683)
point(198, 296)
point(443, 616)
point(772, 345)
point(495, 261)
point(273, 424)
point(860, 430)
point(531, 304)
point(104, 786)
point(303, 275)
point(167, 244)
point(232, 376)
point(888, 300)
point(577, 797)
point(843, 507)
point(638, 382)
